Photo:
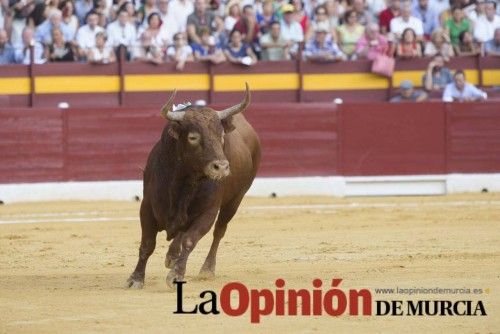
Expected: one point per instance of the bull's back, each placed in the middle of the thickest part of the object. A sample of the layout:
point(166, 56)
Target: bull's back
point(242, 149)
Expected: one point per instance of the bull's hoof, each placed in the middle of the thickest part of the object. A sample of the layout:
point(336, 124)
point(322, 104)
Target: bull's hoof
point(206, 274)
point(170, 261)
point(134, 283)
point(172, 277)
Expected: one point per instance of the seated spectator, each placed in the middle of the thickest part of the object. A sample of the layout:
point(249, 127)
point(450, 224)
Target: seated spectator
point(461, 91)
point(199, 19)
point(208, 50)
point(22, 53)
point(362, 14)
point(6, 49)
point(456, 24)
point(82, 8)
point(322, 49)
point(85, 36)
point(408, 94)
point(408, 46)
point(121, 32)
point(43, 33)
point(492, 48)
point(476, 11)
point(68, 16)
point(428, 15)
point(291, 29)
point(334, 12)
point(439, 43)
point(237, 52)
point(148, 7)
point(399, 24)
point(274, 46)
point(155, 30)
point(233, 15)
point(437, 76)
point(375, 7)
point(180, 10)
point(101, 53)
point(300, 15)
point(386, 16)
point(487, 23)
point(321, 21)
point(59, 50)
point(266, 17)
point(349, 33)
point(180, 52)
point(249, 28)
point(372, 43)
point(466, 45)
point(147, 51)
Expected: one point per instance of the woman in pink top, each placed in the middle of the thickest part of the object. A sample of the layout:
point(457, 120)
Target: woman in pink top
point(372, 43)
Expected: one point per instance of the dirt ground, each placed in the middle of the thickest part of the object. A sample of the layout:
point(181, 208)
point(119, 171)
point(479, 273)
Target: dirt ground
point(63, 269)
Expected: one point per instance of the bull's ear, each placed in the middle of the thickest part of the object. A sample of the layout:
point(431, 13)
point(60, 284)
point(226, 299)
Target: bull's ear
point(227, 123)
point(174, 130)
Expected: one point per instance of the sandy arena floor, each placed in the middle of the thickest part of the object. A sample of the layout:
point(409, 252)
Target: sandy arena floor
point(62, 277)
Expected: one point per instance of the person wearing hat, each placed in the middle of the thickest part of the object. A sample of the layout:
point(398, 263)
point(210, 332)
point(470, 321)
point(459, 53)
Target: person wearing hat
point(408, 93)
point(323, 49)
point(290, 28)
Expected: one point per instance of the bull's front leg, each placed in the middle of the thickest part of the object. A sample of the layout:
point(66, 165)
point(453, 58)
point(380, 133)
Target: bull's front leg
point(197, 229)
point(174, 251)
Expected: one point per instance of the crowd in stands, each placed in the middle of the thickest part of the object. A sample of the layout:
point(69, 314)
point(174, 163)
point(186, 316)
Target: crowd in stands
point(244, 31)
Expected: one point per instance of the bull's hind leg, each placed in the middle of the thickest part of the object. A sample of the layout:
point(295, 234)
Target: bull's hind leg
point(148, 243)
point(225, 215)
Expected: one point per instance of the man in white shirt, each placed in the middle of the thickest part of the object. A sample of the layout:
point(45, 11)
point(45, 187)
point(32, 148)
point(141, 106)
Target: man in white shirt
point(43, 32)
point(461, 91)
point(23, 51)
point(121, 31)
point(400, 23)
point(85, 36)
point(180, 10)
point(170, 25)
point(290, 29)
point(484, 30)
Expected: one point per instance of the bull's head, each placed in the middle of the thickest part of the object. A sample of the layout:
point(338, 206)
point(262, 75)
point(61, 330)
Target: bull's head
point(199, 132)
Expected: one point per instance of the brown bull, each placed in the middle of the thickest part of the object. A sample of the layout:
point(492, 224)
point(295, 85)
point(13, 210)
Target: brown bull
point(198, 171)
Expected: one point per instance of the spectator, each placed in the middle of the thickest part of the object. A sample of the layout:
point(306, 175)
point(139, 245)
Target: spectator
point(321, 21)
point(267, 17)
point(408, 46)
point(171, 27)
point(461, 91)
point(486, 24)
point(322, 49)
point(274, 46)
point(148, 7)
point(130, 9)
point(43, 32)
point(428, 16)
point(68, 17)
point(82, 8)
point(6, 49)
point(408, 94)
point(248, 27)
point(349, 34)
point(437, 76)
point(101, 53)
point(372, 44)
point(401, 23)
point(300, 15)
point(102, 10)
point(334, 11)
point(85, 36)
point(359, 7)
point(155, 30)
point(22, 53)
point(386, 16)
point(199, 19)
point(180, 52)
point(180, 10)
point(147, 51)
point(466, 45)
point(59, 50)
point(440, 5)
point(375, 7)
point(208, 50)
point(121, 32)
point(457, 24)
point(291, 29)
point(492, 48)
point(237, 52)
point(22, 11)
point(439, 43)
point(476, 12)
point(233, 15)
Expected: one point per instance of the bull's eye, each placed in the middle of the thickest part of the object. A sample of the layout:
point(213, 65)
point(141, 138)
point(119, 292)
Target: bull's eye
point(194, 138)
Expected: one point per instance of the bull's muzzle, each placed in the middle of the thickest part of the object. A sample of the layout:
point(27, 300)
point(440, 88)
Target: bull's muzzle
point(217, 169)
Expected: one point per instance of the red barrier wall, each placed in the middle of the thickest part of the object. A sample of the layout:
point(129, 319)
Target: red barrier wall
point(297, 139)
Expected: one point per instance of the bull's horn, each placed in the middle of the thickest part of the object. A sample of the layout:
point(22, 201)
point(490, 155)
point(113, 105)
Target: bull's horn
point(223, 114)
point(166, 111)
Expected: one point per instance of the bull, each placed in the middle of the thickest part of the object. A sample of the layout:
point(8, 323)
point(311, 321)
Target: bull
point(196, 174)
